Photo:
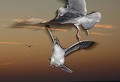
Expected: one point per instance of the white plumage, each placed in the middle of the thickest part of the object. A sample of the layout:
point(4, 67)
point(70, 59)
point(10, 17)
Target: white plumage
point(58, 53)
point(75, 13)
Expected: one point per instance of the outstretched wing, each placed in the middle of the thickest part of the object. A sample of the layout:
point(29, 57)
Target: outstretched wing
point(77, 46)
point(77, 6)
point(66, 69)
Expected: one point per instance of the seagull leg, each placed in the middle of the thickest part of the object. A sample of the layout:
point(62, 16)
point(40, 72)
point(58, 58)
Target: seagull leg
point(78, 35)
point(87, 32)
point(78, 32)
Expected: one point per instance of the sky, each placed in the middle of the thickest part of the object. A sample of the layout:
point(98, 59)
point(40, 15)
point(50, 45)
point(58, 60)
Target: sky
point(19, 63)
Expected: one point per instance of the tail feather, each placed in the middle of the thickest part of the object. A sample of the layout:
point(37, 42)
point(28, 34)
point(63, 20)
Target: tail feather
point(90, 20)
point(66, 69)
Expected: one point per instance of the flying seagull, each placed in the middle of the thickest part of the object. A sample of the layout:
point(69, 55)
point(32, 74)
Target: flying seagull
point(75, 12)
point(58, 53)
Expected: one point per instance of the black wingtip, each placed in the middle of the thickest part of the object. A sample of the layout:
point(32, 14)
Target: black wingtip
point(92, 45)
point(87, 44)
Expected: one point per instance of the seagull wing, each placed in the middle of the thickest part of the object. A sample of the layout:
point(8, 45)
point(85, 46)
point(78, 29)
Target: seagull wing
point(77, 46)
point(53, 40)
point(77, 6)
point(65, 18)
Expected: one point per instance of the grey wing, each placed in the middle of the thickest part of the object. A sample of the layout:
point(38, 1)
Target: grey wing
point(77, 6)
point(65, 18)
point(53, 39)
point(77, 46)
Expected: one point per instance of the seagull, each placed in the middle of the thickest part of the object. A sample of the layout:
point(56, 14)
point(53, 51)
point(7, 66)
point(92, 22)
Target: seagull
point(58, 53)
point(75, 13)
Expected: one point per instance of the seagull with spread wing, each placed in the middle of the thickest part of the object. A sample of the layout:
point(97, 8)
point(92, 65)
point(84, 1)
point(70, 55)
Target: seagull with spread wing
point(58, 53)
point(75, 13)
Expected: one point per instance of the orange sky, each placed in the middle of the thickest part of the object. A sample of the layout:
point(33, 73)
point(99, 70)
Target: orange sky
point(22, 64)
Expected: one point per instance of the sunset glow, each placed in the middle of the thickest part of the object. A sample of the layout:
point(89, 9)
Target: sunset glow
point(25, 49)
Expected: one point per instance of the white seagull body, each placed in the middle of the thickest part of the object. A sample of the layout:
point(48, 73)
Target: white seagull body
point(58, 54)
point(75, 13)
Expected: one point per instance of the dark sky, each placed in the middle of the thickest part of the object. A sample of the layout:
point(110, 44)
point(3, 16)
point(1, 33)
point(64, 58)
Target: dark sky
point(18, 63)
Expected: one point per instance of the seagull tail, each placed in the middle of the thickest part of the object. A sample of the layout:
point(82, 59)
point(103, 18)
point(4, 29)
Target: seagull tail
point(66, 69)
point(90, 20)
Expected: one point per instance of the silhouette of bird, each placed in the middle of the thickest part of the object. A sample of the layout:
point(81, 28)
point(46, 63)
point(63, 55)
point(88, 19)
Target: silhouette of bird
point(75, 12)
point(58, 53)
point(28, 46)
